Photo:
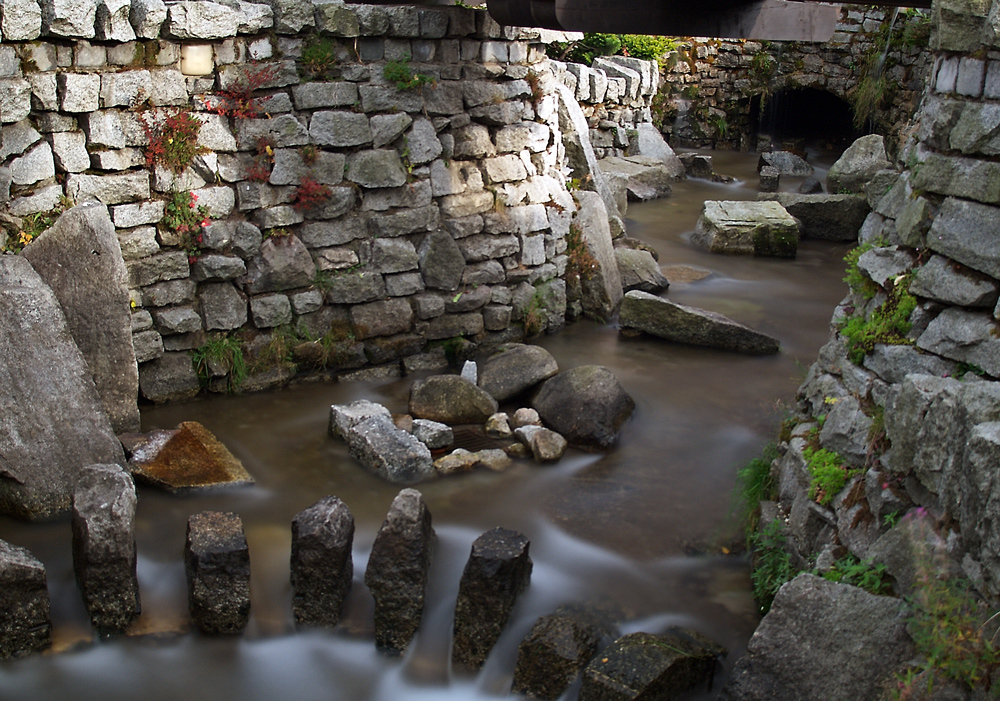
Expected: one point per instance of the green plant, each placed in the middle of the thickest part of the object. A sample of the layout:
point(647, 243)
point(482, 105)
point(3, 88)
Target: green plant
point(754, 484)
point(871, 92)
point(173, 138)
point(888, 324)
point(720, 125)
point(649, 48)
point(31, 228)
point(534, 314)
point(871, 577)
point(772, 564)
point(310, 154)
point(319, 59)
point(891, 519)
point(184, 217)
point(401, 74)
point(854, 277)
point(277, 233)
point(829, 473)
point(221, 354)
point(916, 29)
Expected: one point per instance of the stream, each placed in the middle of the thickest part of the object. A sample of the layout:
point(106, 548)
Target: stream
point(642, 528)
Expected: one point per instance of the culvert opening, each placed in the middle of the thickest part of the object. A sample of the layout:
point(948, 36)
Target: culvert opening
point(806, 115)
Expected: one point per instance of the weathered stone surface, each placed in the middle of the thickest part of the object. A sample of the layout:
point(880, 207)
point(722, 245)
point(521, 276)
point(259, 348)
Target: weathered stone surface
point(147, 16)
point(222, 307)
point(450, 399)
point(21, 20)
point(340, 129)
point(344, 416)
point(377, 168)
point(965, 336)
point(54, 422)
point(104, 554)
point(822, 216)
point(109, 189)
point(15, 99)
point(433, 434)
point(322, 562)
point(816, 624)
point(545, 445)
point(459, 460)
point(638, 270)
point(382, 318)
point(858, 164)
point(290, 16)
point(747, 228)
point(217, 563)
point(312, 95)
point(961, 232)
point(389, 452)
point(69, 18)
point(646, 666)
point(587, 405)
point(644, 178)
point(16, 138)
point(112, 21)
point(386, 128)
point(24, 603)
point(81, 261)
point(952, 283)
point(397, 571)
point(271, 310)
point(201, 20)
point(284, 130)
point(186, 458)
point(283, 263)
point(602, 288)
point(786, 163)
point(335, 19)
point(579, 151)
point(516, 369)
point(498, 570)
point(675, 322)
point(33, 166)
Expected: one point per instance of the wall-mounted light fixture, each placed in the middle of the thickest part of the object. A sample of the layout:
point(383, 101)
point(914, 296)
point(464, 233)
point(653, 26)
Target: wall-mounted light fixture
point(196, 59)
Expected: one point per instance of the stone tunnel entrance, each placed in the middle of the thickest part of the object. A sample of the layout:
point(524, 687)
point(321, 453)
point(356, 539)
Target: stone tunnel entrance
point(795, 117)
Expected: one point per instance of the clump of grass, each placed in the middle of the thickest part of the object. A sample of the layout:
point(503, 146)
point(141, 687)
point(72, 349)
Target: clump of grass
point(867, 575)
point(319, 59)
point(754, 484)
point(225, 353)
point(401, 74)
point(772, 563)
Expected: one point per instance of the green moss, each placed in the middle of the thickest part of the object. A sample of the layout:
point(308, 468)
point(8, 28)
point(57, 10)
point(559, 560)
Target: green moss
point(829, 474)
point(754, 484)
point(888, 324)
point(775, 244)
point(319, 59)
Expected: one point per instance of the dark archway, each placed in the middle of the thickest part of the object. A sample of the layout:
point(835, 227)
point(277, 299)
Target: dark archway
point(806, 115)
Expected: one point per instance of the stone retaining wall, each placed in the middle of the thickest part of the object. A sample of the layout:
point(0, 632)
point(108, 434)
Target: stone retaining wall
point(444, 208)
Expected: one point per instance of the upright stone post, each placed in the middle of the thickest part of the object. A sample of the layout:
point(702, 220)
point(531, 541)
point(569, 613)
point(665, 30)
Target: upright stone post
point(24, 602)
point(217, 561)
point(322, 565)
point(397, 570)
point(104, 546)
point(498, 570)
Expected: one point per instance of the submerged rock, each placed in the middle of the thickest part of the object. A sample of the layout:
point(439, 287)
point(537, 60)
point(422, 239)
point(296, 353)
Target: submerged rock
point(747, 228)
point(24, 603)
point(322, 565)
point(497, 571)
point(674, 322)
point(217, 563)
point(587, 405)
point(515, 369)
point(397, 571)
point(188, 457)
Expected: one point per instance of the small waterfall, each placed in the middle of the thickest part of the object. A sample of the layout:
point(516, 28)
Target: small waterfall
point(880, 65)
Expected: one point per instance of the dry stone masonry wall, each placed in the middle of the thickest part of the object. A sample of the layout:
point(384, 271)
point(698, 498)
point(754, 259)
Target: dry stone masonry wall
point(371, 183)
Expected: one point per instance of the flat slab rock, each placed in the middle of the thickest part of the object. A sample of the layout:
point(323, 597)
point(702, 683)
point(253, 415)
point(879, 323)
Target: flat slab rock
point(675, 322)
point(185, 458)
point(747, 228)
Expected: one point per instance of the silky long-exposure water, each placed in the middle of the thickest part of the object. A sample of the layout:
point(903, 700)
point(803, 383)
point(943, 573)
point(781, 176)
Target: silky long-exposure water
point(638, 527)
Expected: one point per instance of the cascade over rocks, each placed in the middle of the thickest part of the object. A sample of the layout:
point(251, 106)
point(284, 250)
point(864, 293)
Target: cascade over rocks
point(587, 405)
point(53, 420)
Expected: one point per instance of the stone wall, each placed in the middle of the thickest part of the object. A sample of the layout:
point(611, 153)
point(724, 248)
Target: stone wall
point(445, 207)
point(713, 88)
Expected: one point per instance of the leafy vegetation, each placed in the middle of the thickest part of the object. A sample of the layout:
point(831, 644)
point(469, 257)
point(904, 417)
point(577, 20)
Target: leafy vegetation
point(184, 217)
point(871, 577)
point(240, 99)
point(829, 473)
point(596, 44)
point(310, 194)
point(401, 74)
point(580, 264)
point(857, 280)
point(173, 138)
point(32, 226)
point(319, 59)
point(887, 324)
point(772, 563)
point(222, 354)
point(754, 484)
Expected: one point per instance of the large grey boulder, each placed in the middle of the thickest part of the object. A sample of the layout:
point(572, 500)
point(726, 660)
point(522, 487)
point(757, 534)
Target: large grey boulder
point(81, 261)
point(104, 555)
point(638, 270)
point(646, 141)
point(946, 281)
point(514, 369)
point(397, 571)
point(644, 178)
point(322, 564)
point(747, 228)
point(389, 452)
point(217, 563)
point(53, 420)
point(587, 405)
point(675, 322)
point(451, 399)
point(858, 164)
point(602, 286)
point(785, 162)
point(498, 570)
point(344, 416)
point(24, 603)
point(823, 216)
point(822, 640)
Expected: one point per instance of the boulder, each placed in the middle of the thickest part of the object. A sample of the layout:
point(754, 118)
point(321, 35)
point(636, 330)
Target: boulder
point(433, 434)
point(24, 603)
point(858, 164)
point(646, 141)
point(104, 554)
point(516, 368)
point(345, 416)
point(680, 324)
point(697, 165)
point(645, 178)
point(823, 640)
point(559, 645)
point(217, 564)
point(53, 420)
point(785, 162)
point(747, 228)
point(638, 270)
point(389, 452)
point(397, 571)
point(769, 179)
point(647, 666)
point(602, 286)
point(451, 399)
point(827, 217)
point(80, 259)
point(545, 445)
point(498, 570)
point(322, 564)
point(186, 458)
point(579, 151)
point(587, 405)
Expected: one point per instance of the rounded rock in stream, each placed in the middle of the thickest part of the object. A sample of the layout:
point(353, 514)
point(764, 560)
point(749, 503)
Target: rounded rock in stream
point(498, 570)
point(322, 565)
point(397, 571)
point(587, 405)
point(450, 399)
point(217, 563)
point(514, 369)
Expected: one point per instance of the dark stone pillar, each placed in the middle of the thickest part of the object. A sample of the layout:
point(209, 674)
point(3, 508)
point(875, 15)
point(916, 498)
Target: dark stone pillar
point(322, 564)
point(104, 546)
point(397, 570)
point(24, 602)
point(217, 562)
point(498, 570)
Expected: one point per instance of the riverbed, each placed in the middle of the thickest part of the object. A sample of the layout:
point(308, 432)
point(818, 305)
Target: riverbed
point(644, 528)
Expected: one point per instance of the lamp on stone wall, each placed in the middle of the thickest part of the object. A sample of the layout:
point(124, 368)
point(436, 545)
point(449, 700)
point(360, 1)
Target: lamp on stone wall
point(196, 59)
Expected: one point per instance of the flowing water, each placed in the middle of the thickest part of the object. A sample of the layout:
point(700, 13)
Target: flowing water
point(640, 528)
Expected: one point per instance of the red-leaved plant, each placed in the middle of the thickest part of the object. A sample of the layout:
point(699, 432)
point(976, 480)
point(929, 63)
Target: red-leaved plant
point(263, 163)
point(238, 100)
point(310, 194)
point(173, 138)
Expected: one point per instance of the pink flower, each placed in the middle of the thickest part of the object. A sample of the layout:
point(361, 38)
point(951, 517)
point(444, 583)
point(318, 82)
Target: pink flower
point(194, 197)
point(205, 222)
point(191, 204)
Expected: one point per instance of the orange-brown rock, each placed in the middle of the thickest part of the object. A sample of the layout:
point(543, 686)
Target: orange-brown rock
point(188, 457)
